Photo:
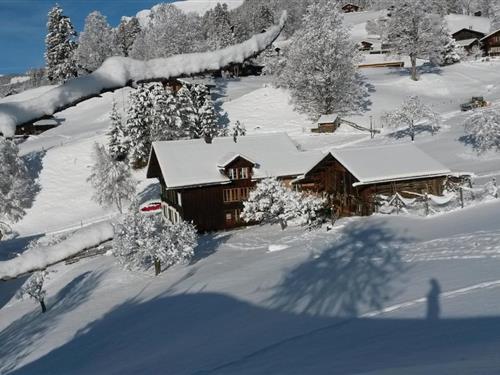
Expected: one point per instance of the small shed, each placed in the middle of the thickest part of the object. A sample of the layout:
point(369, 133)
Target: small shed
point(327, 124)
point(350, 8)
point(39, 126)
point(365, 46)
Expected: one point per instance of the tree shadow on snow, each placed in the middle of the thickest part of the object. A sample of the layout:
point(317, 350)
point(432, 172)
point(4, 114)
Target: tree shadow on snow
point(17, 339)
point(34, 164)
point(151, 192)
point(217, 334)
point(419, 129)
point(208, 244)
point(218, 94)
point(352, 274)
point(426, 68)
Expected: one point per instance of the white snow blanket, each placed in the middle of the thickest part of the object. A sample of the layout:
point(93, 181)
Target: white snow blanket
point(117, 72)
point(44, 256)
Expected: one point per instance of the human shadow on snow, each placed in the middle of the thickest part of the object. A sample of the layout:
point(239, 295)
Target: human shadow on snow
point(16, 340)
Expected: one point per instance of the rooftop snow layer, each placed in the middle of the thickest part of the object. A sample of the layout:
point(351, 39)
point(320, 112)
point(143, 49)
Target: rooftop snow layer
point(194, 162)
point(466, 42)
point(388, 163)
point(327, 119)
point(458, 22)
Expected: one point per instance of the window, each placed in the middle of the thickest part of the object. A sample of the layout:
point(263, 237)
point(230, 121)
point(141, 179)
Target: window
point(238, 173)
point(233, 217)
point(236, 194)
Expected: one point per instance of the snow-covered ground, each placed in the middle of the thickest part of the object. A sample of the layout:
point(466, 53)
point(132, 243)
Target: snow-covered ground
point(353, 299)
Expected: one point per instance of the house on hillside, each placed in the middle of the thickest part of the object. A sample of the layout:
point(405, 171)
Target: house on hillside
point(350, 8)
point(353, 177)
point(466, 34)
point(208, 183)
point(38, 127)
point(364, 45)
point(491, 43)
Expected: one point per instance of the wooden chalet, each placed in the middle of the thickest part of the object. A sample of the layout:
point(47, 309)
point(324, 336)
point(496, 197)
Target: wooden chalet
point(207, 183)
point(364, 45)
point(350, 8)
point(353, 177)
point(491, 43)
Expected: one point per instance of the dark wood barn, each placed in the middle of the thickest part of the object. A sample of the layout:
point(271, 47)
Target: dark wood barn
point(353, 177)
point(327, 124)
point(491, 43)
point(464, 34)
point(350, 8)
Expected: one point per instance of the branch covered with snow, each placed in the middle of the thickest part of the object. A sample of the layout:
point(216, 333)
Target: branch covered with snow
point(117, 72)
point(44, 256)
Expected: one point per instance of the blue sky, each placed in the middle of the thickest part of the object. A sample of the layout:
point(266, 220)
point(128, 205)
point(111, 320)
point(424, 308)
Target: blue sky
point(23, 26)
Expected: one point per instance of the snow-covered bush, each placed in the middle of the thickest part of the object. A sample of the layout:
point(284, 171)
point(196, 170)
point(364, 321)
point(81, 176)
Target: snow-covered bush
point(451, 52)
point(143, 241)
point(410, 115)
point(60, 47)
point(111, 179)
point(15, 183)
point(272, 202)
point(33, 288)
point(320, 66)
point(483, 129)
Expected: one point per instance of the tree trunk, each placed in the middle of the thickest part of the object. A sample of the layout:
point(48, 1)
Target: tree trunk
point(157, 267)
point(42, 304)
point(283, 224)
point(413, 59)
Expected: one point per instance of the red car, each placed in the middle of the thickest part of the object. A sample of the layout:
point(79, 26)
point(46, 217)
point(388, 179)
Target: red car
point(151, 207)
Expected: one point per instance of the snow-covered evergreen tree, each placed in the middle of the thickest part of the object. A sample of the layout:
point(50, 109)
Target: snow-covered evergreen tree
point(166, 119)
point(60, 47)
point(187, 110)
point(15, 184)
point(321, 65)
point(272, 202)
point(117, 143)
point(33, 288)
point(495, 17)
point(483, 129)
point(96, 42)
point(143, 241)
point(450, 53)
point(112, 180)
point(413, 31)
point(168, 32)
point(219, 31)
point(138, 126)
point(126, 34)
point(411, 114)
point(209, 128)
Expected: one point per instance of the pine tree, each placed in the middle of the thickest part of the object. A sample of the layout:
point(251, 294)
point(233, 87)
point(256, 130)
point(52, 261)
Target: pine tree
point(96, 42)
point(414, 32)
point(33, 288)
point(321, 65)
point(411, 114)
point(126, 34)
point(166, 121)
point(208, 120)
point(238, 130)
point(138, 128)
point(450, 53)
point(15, 183)
point(117, 144)
point(60, 47)
point(112, 180)
point(219, 33)
point(188, 112)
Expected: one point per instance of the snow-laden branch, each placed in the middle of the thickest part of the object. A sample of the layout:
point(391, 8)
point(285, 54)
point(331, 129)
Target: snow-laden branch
point(117, 72)
point(44, 256)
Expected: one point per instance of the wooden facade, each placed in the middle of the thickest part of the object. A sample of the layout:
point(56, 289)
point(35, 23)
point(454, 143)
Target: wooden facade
point(491, 44)
point(465, 34)
point(337, 183)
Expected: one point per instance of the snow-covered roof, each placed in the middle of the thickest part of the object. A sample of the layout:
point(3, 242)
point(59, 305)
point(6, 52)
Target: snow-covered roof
point(490, 34)
point(457, 22)
point(328, 119)
point(377, 164)
point(189, 163)
point(466, 42)
point(232, 156)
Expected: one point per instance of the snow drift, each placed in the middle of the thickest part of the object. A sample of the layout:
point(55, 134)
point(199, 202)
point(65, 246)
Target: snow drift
point(117, 72)
point(44, 256)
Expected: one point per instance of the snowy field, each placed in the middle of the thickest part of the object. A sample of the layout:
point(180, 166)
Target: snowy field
point(353, 299)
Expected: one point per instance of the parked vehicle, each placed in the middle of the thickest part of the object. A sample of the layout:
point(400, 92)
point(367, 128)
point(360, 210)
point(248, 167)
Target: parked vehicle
point(475, 102)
